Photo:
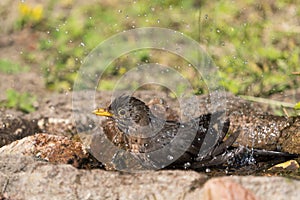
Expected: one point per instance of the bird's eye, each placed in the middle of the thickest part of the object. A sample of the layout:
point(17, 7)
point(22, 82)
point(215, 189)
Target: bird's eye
point(122, 112)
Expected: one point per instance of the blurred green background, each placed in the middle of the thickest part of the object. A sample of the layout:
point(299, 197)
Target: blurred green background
point(255, 44)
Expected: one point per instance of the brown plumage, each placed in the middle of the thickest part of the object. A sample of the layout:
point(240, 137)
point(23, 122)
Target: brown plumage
point(132, 127)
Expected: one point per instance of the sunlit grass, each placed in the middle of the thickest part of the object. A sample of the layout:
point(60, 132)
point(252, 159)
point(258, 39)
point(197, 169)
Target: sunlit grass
point(253, 42)
point(8, 67)
point(20, 101)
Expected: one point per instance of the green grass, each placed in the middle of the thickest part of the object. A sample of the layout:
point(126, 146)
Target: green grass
point(253, 42)
point(19, 101)
point(8, 67)
point(297, 106)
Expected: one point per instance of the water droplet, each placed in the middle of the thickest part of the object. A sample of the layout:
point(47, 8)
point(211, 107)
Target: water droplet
point(207, 170)
point(187, 165)
point(169, 157)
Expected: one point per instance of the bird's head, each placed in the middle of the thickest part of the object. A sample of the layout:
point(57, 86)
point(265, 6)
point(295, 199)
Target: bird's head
point(127, 111)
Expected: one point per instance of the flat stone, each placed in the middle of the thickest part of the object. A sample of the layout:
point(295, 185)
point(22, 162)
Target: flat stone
point(220, 188)
point(52, 148)
point(23, 177)
point(41, 180)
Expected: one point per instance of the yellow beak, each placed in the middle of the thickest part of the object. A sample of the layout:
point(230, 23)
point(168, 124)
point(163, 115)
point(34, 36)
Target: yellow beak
point(102, 112)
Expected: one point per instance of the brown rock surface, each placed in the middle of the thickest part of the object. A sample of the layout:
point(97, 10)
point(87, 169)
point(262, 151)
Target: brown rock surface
point(259, 130)
point(219, 188)
point(290, 139)
point(23, 177)
point(52, 148)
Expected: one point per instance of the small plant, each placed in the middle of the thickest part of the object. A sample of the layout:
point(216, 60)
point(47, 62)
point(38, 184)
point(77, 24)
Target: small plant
point(29, 14)
point(11, 68)
point(20, 101)
point(297, 106)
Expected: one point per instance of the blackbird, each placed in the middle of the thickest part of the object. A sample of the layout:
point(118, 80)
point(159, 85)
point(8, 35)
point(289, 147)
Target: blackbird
point(200, 142)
